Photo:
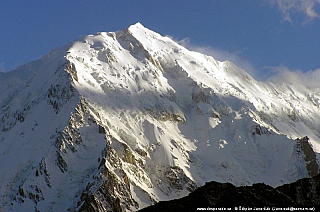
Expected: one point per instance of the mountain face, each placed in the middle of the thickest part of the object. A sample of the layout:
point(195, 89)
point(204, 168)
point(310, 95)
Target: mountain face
point(118, 121)
point(304, 192)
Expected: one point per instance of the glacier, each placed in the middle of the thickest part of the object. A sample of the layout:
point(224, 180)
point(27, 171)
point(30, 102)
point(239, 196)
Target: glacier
point(118, 121)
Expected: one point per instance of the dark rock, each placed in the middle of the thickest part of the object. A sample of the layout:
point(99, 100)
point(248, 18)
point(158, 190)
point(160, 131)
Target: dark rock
point(102, 130)
point(309, 156)
point(303, 192)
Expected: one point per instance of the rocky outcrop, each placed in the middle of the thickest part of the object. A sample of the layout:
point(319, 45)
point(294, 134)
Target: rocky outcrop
point(302, 192)
point(112, 194)
point(310, 159)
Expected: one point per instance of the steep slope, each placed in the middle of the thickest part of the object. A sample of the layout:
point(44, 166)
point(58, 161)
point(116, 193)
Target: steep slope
point(120, 120)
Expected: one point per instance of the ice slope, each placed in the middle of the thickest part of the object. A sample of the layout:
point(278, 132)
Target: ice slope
point(120, 120)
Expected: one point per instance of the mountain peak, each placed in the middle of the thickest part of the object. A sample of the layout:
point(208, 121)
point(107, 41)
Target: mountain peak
point(120, 120)
point(137, 25)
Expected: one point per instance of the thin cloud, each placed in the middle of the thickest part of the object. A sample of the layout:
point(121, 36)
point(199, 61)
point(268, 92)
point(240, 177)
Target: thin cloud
point(2, 69)
point(280, 74)
point(291, 7)
point(222, 55)
point(309, 79)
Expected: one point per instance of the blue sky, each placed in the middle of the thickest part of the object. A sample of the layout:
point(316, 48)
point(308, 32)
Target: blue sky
point(261, 36)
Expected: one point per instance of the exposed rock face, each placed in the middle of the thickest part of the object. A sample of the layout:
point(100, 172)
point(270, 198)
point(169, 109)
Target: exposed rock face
point(309, 156)
point(304, 192)
point(108, 192)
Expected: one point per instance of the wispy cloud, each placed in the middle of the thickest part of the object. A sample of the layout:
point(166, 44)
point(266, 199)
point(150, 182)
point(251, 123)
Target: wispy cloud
point(2, 69)
point(310, 79)
point(292, 7)
point(280, 74)
point(222, 55)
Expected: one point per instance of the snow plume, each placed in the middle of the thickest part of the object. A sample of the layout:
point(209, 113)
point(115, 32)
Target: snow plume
point(290, 7)
point(309, 79)
point(222, 55)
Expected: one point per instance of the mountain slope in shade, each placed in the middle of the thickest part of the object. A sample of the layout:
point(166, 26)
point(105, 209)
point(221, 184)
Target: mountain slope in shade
point(120, 120)
point(304, 192)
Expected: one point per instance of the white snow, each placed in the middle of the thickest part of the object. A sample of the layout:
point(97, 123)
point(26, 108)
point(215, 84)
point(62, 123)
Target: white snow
point(173, 108)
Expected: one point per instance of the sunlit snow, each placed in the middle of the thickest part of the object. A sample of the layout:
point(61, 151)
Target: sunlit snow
point(165, 113)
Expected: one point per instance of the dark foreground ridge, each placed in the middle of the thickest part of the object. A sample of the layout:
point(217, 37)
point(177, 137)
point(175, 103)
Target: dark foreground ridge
point(304, 192)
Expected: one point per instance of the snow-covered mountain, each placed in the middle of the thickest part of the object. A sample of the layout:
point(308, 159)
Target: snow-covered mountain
point(120, 120)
